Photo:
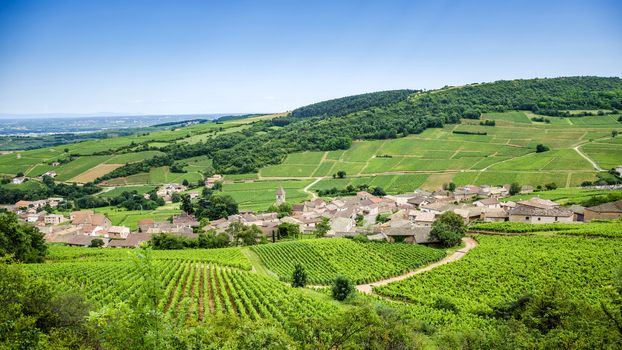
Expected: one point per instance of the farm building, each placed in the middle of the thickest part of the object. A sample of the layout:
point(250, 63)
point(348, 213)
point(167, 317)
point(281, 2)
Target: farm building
point(132, 241)
point(18, 180)
point(605, 211)
point(494, 215)
point(54, 219)
point(540, 211)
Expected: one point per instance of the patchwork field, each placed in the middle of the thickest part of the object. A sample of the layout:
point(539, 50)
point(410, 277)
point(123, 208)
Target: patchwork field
point(428, 160)
point(505, 154)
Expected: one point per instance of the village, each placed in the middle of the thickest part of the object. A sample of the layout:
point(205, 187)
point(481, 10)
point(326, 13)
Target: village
point(404, 217)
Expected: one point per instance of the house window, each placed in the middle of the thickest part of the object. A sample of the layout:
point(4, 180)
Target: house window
point(556, 218)
point(526, 217)
point(539, 219)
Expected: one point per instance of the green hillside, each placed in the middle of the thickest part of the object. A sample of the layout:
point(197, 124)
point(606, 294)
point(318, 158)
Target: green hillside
point(398, 140)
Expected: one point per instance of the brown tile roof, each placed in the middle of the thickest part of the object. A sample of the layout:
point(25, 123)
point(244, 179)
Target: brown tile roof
point(611, 207)
point(535, 211)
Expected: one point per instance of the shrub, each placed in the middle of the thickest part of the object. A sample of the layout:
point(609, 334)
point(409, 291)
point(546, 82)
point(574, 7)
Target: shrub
point(299, 277)
point(342, 288)
point(541, 148)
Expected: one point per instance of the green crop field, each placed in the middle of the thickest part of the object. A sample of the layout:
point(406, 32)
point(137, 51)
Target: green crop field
point(130, 218)
point(195, 284)
point(609, 229)
point(77, 166)
point(118, 190)
point(133, 157)
point(259, 195)
point(324, 259)
point(564, 195)
point(503, 269)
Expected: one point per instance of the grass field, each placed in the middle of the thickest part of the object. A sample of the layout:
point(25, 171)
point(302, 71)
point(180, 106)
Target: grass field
point(260, 195)
point(130, 218)
point(118, 190)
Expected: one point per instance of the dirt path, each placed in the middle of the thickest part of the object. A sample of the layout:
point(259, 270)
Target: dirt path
point(470, 243)
point(306, 189)
point(576, 148)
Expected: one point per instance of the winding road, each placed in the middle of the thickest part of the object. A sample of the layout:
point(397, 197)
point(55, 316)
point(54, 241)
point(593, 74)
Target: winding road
point(469, 242)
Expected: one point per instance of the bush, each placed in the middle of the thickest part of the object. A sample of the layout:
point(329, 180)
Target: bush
point(299, 277)
point(342, 288)
point(541, 148)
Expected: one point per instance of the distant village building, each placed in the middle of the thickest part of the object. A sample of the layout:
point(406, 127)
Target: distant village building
point(90, 222)
point(51, 174)
point(54, 219)
point(605, 211)
point(166, 191)
point(212, 180)
point(280, 196)
point(18, 180)
point(117, 232)
point(540, 211)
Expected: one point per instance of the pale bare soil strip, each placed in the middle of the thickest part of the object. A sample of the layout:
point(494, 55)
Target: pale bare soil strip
point(95, 172)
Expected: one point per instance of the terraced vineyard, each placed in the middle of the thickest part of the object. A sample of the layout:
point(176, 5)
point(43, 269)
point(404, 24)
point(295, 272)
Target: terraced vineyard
point(325, 259)
point(192, 290)
point(502, 269)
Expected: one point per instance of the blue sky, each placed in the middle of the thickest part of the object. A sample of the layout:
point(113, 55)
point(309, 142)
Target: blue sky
point(151, 57)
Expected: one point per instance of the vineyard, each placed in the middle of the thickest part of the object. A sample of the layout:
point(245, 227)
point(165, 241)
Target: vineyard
point(609, 229)
point(503, 269)
point(232, 257)
point(192, 290)
point(325, 259)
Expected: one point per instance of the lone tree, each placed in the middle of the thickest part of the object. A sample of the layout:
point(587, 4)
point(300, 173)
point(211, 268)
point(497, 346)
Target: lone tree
point(299, 278)
point(448, 229)
point(186, 204)
point(96, 243)
point(515, 188)
point(341, 174)
point(342, 288)
point(614, 133)
point(322, 227)
point(541, 148)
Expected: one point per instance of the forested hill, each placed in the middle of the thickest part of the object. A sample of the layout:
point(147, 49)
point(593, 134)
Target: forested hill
point(346, 105)
point(269, 142)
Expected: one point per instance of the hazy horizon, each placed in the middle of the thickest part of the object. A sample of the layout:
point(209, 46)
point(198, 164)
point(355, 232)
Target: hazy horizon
point(199, 57)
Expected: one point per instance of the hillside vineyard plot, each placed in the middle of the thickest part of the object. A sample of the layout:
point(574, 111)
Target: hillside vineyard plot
point(192, 290)
point(503, 269)
point(325, 259)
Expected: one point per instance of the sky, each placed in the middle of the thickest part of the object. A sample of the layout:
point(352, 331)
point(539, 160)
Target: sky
point(193, 57)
